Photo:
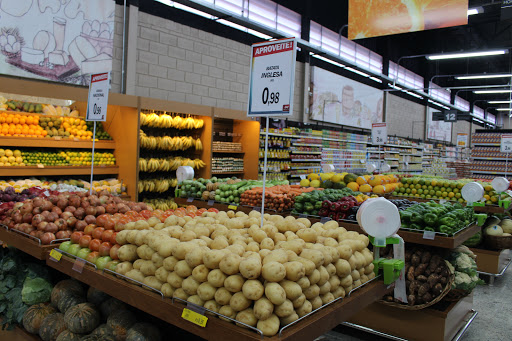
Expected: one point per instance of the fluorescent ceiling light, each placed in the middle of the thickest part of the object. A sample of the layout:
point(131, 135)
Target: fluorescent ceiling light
point(504, 109)
point(484, 76)
point(472, 11)
point(258, 34)
point(357, 71)
point(326, 60)
point(376, 79)
point(492, 91)
point(466, 54)
point(499, 102)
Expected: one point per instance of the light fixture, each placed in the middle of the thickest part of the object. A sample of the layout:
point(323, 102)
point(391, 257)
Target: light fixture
point(357, 71)
point(473, 11)
point(499, 102)
point(326, 59)
point(504, 109)
point(479, 92)
point(484, 76)
point(465, 54)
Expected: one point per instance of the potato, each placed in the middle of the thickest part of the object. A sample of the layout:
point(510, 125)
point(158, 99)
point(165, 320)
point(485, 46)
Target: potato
point(294, 270)
point(234, 283)
point(174, 280)
point(148, 268)
point(226, 310)
point(292, 289)
point(328, 297)
point(357, 283)
point(195, 257)
point(124, 267)
point(367, 269)
point(182, 249)
point(212, 258)
point(206, 291)
point(211, 305)
point(354, 263)
point(306, 308)
point(167, 290)
point(252, 246)
point(239, 302)
point(355, 275)
point(289, 319)
point(290, 236)
point(140, 237)
point(135, 275)
point(130, 237)
point(275, 293)
point(237, 249)
point(278, 255)
point(346, 281)
point(180, 293)
point(308, 235)
point(299, 301)
point(335, 282)
point(188, 235)
point(219, 243)
point(285, 309)
point(161, 274)
point(263, 308)
point(279, 237)
point(314, 277)
point(273, 272)
point(121, 237)
point(138, 263)
point(157, 260)
point(152, 282)
point(339, 292)
point(315, 256)
point(309, 266)
point(166, 246)
point(247, 316)
point(145, 252)
point(127, 253)
point(344, 251)
point(222, 296)
point(182, 269)
point(342, 268)
point(304, 283)
point(371, 275)
point(364, 279)
point(190, 285)
point(253, 289)
point(230, 263)
point(324, 276)
point(264, 253)
point(216, 278)
point(316, 303)
point(200, 273)
point(169, 263)
point(250, 268)
point(312, 292)
point(195, 299)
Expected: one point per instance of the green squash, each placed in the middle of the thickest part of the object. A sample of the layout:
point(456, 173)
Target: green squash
point(51, 326)
point(96, 297)
point(67, 286)
point(143, 332)
point(120, 321)
point(103, 329)
point(34, 315)
point(69, 336)
point(110, 306)
point(83, 318)
point(92, 337)
point(69, 300)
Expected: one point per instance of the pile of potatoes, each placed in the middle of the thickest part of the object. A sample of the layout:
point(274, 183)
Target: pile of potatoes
point(264, 277)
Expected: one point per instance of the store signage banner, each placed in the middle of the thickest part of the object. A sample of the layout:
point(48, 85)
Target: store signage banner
point(272, 78)
point(462, 140)
point(384, 17)
point(379, 133)
point(98, 97)
point(438, 130)
point(340, 100)
point(506, 144)
point(56, 40)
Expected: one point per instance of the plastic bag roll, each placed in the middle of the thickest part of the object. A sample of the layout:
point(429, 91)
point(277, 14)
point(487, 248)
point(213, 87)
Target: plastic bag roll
point(379, 217)
point(500, 184)
point(472, 192)
point(184, 173)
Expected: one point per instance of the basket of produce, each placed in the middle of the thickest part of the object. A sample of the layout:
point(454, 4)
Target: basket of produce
point(462, 264)
point(428, 280)
point(498, 234)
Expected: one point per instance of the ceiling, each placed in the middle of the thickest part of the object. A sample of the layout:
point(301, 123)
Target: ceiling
point(484, 31)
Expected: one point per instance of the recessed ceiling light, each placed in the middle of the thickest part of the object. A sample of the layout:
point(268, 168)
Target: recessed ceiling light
point(485, 76)
point(504, 109)
point(499, 102)
point(473, 11)
point(492, 91)
point(465, 54)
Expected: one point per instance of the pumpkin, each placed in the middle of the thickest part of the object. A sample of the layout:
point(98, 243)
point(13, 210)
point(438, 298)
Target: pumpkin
point(205, 195)
point(92, 337)
point(120, 321)
point(34, 315)
point(103, 329)
point(210, 187)
point(96, 296)
point(51, 326)
point(111, 305)
point(66, 286)
point(69, 336)
point(82, 318)
point(69, 300)
point(143, 332)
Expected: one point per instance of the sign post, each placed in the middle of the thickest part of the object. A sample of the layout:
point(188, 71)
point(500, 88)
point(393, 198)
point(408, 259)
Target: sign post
point(379, 137)
point(97, 107)
point(271, 85)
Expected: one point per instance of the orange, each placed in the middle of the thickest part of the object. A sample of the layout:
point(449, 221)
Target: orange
point(30, 120)
point(44, 133)
point(8, 119)
point(31, 131)
point(15, 120)
point(22, 120)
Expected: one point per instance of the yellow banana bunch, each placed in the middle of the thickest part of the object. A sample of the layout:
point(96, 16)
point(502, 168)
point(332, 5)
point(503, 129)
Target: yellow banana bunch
point(143, 165)
point(167, 121)
point(199, 144)
point(167, 165)
point(169, 143)
point(162, 204)
point(156, 185)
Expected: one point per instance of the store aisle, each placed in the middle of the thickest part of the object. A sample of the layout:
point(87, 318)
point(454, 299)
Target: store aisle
point(494, 306)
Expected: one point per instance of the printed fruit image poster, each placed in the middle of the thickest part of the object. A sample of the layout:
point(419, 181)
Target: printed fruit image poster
point(438, 130)
point(337, 99)
point(383, 17)
point(57, 40)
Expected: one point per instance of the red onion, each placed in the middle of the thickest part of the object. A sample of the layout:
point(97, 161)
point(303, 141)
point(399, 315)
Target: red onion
point(100, 210)
point(51, 227)
point(62, 203)
point(56, 209)
point(70, 209)
point(27, 218)
point(79, 213)
point(71, 221)
point(80, 225)
point(61, 224)
point(53, 199)
point(26, 208)
point(90, 219)
point(47, 238)
point(42, 226)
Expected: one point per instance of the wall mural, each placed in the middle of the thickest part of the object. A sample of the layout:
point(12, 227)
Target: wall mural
point(438, 130)
point(340, 100)
point(57, 40)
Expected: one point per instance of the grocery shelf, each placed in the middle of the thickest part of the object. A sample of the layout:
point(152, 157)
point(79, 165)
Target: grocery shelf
point(227, 152)
point(494, 173)
point(276, 134)
point(56, 170)
point(410, 161)
point(304, 152)
point(15, 142)
point(306, 160)
point(487, 144)
point(241, 172)
point(490, 158)
point(25, 244)
point(170, 310)
point(346, 150)
point(311, 167)
point(394, 159)
point(307, 144)
point(382, 151)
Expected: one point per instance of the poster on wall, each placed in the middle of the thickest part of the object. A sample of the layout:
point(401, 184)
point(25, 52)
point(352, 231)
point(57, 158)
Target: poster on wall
point(57, 40)
point(377, 18)
point(438, 130)
point(340, 100)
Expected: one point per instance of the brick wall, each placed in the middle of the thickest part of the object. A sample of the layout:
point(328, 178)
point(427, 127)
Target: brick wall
point(400, 116)
point(459, 127)
point(118, 50)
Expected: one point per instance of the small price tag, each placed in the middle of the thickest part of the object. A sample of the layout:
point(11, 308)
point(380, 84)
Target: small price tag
point(323, 220)
point(55, 255)
point(211, 202)
point(429, 235)
point(76, 139)
point(442, 201)
point(194, 317)
point(40, 165)
point(233, 207)
point(79, 264)
point(57, 138)
point(256, 208)
point(303, 215)
point(509, 193)
point(190, 199)
point(303, 177)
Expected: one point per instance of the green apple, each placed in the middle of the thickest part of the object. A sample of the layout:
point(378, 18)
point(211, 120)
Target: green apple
point(112, 265)
point(74, 249)
point(83, 253)
point(102, 262)
point(65, 246)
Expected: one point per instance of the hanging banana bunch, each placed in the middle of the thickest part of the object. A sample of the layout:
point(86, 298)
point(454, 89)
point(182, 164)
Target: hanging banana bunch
point(167, 121)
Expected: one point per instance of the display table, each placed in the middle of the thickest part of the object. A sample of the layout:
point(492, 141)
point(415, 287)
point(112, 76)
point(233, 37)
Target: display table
point(25, 244)
point(492, 263)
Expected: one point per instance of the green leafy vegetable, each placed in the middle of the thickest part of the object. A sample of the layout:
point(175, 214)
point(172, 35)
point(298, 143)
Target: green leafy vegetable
point(36, 290)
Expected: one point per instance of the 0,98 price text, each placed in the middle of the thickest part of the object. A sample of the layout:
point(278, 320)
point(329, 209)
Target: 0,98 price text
point(268, 97)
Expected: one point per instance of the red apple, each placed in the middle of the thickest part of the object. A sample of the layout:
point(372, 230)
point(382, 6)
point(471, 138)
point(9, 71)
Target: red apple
point(105, 249)
point(93, 257)
point(89, 229)
point(113, 251)
point(94, 245)
point(98, 232)
point(85, 240)
point(107, 234)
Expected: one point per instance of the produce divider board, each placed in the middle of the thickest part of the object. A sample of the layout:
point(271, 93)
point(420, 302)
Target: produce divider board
point(25, 244)
point(216, 329)
point(478, 209)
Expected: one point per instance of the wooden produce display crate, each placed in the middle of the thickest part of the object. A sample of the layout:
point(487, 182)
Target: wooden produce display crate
point(165, 309)
point(25, 244)
point(430, 324)
point(491, 261)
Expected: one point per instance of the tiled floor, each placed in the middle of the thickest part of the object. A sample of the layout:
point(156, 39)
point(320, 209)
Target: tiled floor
point(494, 306)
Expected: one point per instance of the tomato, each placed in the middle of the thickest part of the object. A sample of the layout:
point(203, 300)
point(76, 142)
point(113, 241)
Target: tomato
point(146, 214)
point(132, 213)
point(94, 245)
point(104, 249)
point(191, 208)
point(93, 257)
point(109, 223)
point(179, 213)
point(113, 251)
point(113, 238)
point(212, 209)
point(191, 214)
point(180, 209)
point(85, 240)
point(75, 236)
point(118, 216)
point(89, 229)
point(100, 220)
point(97, 232)
point(107, 234)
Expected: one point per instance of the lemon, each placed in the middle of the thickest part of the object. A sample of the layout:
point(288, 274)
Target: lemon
point(336, 178)
point(17, 153)
point(304, 183)
point(315, 183)
point(8, 152)
point(313, 176)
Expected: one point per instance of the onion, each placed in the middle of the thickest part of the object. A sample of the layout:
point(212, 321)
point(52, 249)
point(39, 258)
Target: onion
point(26, 208)
point(37, 202)
point(42, 226)
point(100, 210)
point(74, 200)
point(79, 213)
point(90, 219)
point(66, 215)
point(47, 238)
point(103, 199)
point(56, 209)
point(63, 234)
point(117, 200)
point(61, 224)
point(37, 210)
point(38, 234)
point(122, 208)
point(52, 217)
point(82, 194)
point(62, 203)
point(90, 210)
point(71, 221)
point(46, 206)
point(27, 218)
point(17, 217)
point(23, 227)
point(85, 203)
point(51, 227)
point(70, 209)
point(80, 225)
point(45, 214)
point(33, 233)
point(53, 199)
point(111, 208)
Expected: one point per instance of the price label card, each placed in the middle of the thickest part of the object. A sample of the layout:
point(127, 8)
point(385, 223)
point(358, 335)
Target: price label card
point(233, 207)
point(429, 235)
point(194, 317)
point(40, 165)
point(190, 199)
point(79, 264)
point(442, 201)
point(256, 208)
point(211, 202)
point(55, 255)
point(57, 138)
point(98, 97)
point(462, 140)
point(323, 220)
point(272, 78)
point(379, 133)
point(506, 143)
